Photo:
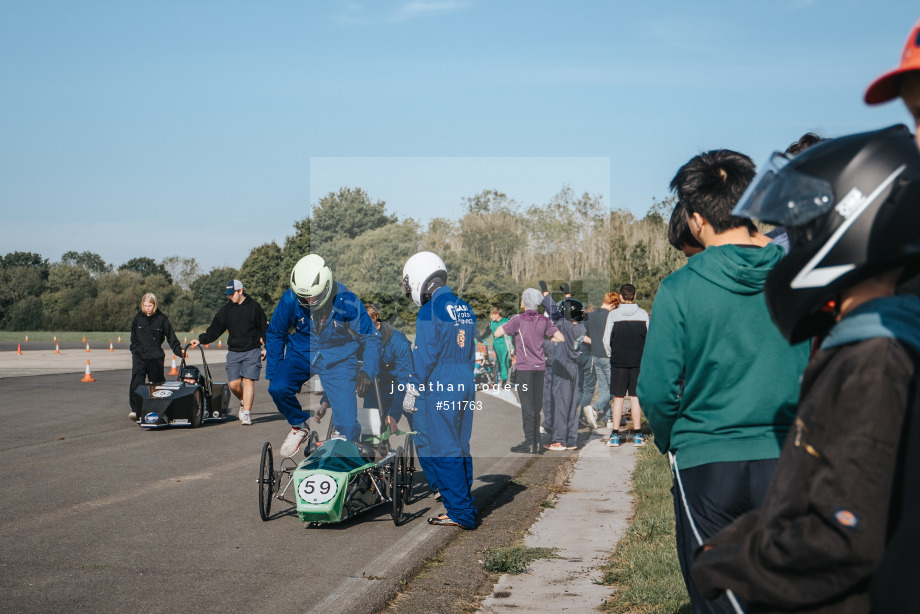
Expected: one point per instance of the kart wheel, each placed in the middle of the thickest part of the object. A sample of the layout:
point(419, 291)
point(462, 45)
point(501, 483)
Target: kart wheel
point(410, 469)
point(198, 413)
point(266, 481)
point(398, 485)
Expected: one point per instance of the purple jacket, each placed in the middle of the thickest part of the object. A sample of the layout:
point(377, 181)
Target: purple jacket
point(529, 330)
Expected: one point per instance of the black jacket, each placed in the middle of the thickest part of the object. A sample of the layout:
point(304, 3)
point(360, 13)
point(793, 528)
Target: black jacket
point(148, 333)
point(245, 322)
point(822, 530)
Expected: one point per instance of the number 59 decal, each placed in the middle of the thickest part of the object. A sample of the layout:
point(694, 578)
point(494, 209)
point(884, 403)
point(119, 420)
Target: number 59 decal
point(317, 488)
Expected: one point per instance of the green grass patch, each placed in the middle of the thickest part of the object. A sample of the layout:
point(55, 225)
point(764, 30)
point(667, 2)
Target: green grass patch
point(514, 559)
point(644, 569)
point(91, 336)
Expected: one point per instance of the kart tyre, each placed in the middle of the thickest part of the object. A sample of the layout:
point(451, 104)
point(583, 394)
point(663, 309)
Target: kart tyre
point(410, 469)
point(266, 481)
point(398, 485)
point(198, 414)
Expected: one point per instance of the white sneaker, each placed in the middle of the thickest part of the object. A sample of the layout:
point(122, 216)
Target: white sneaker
point(245, 419)
point(590, 416)
point(132, 415)
point(293, 441)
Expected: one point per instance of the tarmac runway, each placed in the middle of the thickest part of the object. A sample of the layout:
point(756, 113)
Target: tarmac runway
point(100, 515)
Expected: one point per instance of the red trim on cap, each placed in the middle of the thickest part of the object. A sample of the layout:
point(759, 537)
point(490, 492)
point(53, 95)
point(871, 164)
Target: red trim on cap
point(888, 86)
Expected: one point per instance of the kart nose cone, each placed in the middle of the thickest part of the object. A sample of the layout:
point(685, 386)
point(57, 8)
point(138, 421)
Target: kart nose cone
point(151, 418)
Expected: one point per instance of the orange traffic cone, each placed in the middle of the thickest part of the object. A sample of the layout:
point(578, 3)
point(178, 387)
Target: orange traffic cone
point(111, 347)
point(19, 349)
point(57, 348)
point(185, 340)
point(87, 376)
point(119, 338)
point(27, 338)
point(84, 338)
point(87, 347)
point(55, 338)
point(207, 346)
point(174, 370)
point(220, 343)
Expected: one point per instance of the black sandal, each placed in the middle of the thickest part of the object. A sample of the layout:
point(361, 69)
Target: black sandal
point(442, 521)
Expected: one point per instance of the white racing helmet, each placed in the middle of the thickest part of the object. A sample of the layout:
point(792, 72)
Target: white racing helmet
point(311, 281)
point(418, 273)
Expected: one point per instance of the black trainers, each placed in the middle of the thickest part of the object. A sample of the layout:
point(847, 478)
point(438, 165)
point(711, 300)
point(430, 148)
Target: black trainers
point(524, 447)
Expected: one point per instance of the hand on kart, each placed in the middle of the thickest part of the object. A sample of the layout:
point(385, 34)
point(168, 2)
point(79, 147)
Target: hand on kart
point(409, 400)
point(363, 383)
point(321, 412)
point(543, 287)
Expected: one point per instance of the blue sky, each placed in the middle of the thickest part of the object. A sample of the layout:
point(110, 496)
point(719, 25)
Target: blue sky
point(204, 129)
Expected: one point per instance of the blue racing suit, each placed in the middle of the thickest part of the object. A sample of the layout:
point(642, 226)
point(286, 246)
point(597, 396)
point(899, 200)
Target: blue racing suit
point(445, 342)
point(395, 371)
point(328, 348)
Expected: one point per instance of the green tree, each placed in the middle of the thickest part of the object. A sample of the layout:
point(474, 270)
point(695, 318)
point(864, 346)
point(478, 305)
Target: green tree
point(347, 213)
point(28, 259)
point(89, 261)
point(208, 290)
point(262, 275)
point(146, 267)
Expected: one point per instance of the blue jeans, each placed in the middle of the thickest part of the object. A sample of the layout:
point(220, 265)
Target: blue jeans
point(602, 404)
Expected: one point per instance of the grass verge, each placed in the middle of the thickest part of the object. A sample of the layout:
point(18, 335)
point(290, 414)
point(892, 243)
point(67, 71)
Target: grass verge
point(643, 569)
point(91, 336)
point(514, 559)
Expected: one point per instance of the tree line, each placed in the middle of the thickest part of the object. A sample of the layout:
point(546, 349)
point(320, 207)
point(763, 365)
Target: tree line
point(493, 251)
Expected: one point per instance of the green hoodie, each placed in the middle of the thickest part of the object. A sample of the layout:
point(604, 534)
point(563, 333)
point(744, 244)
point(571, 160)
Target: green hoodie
point(710, 324)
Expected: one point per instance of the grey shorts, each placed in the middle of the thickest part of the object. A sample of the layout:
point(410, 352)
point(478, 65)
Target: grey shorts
point(244, 364)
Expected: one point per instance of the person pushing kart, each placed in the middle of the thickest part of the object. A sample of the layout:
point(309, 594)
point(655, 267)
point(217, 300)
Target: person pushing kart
point(330, 328)
point(441, 386)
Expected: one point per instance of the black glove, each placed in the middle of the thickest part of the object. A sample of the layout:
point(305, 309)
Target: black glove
point(543, 287)
point(363, 383)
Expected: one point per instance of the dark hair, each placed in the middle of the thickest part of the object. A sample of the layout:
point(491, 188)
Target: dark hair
point(711, 184)
point(628, 292)
point(805, 141)
point(679, 234)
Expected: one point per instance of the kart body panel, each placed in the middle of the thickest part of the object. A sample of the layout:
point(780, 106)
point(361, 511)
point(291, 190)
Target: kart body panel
point(334, 483)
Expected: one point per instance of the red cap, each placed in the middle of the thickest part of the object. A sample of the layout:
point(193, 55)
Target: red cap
point(888, 85)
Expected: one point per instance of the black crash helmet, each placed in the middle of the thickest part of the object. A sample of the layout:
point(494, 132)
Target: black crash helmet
point(851, 207)
point(572, 310)
point(190, 373)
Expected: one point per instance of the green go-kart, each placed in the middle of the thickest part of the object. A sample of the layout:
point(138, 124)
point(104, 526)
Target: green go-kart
point(339, 479)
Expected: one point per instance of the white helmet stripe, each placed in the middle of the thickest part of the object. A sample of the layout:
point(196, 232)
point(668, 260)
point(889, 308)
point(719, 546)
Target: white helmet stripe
point(811, 276)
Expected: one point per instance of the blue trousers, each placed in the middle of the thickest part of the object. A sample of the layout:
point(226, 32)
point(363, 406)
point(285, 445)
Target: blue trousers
point(602, 373)
point(339, 386)
point(449, 458)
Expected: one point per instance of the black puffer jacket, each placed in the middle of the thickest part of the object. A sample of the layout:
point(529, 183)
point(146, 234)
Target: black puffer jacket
point(148, 333)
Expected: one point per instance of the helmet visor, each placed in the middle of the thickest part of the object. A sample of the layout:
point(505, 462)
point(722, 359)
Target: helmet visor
point(311, 302)
point(781, 195)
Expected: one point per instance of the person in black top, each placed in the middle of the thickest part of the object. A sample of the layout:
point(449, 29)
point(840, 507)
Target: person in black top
point(148, 330)
point(243, 318)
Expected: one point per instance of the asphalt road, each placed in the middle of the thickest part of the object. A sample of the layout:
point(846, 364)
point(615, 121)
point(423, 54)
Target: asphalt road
point(101, 515)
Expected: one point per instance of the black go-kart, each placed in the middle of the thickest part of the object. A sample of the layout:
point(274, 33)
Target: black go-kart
point(190, 400)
